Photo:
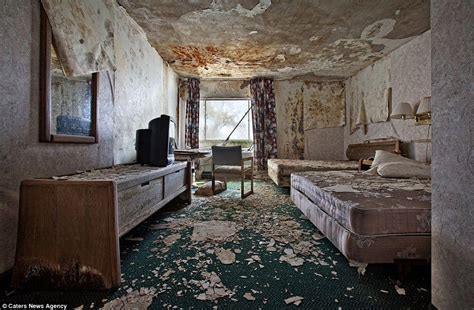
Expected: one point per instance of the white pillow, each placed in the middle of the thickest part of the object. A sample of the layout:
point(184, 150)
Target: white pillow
point(383, 157)
point(405, 170)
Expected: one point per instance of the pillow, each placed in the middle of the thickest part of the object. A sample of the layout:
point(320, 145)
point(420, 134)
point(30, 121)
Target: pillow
point(383, 157)
point(405, 170)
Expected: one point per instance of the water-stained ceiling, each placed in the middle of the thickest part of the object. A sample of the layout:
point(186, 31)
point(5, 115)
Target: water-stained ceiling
point(278, 38)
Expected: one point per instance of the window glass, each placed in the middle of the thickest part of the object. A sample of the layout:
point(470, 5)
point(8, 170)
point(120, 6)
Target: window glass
point(219, 117)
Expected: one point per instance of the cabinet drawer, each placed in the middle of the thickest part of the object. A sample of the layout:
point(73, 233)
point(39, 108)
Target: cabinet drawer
point(138, 202)
point(174, 181)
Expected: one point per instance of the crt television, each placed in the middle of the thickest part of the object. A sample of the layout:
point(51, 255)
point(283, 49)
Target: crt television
point(155, 145)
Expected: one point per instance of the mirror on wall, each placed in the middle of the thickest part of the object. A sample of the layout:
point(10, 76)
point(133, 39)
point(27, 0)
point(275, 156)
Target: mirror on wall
point(68, 105)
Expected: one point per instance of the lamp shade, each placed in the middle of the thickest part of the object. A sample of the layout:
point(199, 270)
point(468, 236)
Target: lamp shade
point(402, 111)
point(425, 106)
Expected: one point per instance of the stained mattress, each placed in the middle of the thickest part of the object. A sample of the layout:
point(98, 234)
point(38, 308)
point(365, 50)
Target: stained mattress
point(279, 170)
point(370, 219)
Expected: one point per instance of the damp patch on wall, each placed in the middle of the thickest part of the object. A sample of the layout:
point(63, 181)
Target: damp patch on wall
point(84, 34)
point(304, 105)
point(324, 105)
point(290, 131)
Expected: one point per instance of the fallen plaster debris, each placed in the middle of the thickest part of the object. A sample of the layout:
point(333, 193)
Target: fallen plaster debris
point(360, 267)
point(213, 286)
point(138, 299)
point(213, 230)
point(296, 300)
point(340, 188)
point(400, 291)
point(226, 257)
point(169, 240)
point(292, 259)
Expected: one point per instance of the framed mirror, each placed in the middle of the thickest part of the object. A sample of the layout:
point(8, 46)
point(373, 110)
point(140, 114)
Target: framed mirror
point(68, 105)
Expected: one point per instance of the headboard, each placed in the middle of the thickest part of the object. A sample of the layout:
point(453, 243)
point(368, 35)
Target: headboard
point(367, 149)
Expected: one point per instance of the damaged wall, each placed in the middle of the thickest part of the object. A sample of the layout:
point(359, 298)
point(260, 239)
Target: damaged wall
point(410, 79)
point(145, 87)
point(310, 116)
point(290, 127)
point(225, 89)
point(247, 38)
point(21, 155)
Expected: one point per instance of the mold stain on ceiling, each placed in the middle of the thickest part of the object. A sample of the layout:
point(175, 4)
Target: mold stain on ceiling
point(277, 38)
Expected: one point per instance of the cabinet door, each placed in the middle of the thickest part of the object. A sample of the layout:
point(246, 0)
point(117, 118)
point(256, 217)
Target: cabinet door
point(138, 202)
point(174, 181)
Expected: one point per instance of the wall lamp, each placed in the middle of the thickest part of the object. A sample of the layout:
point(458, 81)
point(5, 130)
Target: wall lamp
point(402, 111)
point(423, 113)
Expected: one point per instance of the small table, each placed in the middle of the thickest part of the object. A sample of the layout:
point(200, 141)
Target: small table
point(191, 155)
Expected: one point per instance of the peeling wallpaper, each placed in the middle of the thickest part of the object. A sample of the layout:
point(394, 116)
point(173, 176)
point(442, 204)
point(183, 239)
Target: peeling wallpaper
point(84, 32)
point(145, 87)
point(368, 92)
point(303, 106)
point(324, 105)
point(241, 39)
point(21, 155)
point(410, 79)
point(139, 67)
point(289, 108)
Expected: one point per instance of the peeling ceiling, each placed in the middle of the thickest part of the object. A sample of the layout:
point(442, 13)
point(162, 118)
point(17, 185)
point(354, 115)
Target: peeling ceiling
point(281, 39)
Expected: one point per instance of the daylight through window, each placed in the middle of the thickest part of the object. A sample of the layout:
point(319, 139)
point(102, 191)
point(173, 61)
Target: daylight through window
point(217, 119)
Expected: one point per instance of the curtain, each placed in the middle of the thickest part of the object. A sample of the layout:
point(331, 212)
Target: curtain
point(192, 114)
point(262, 92)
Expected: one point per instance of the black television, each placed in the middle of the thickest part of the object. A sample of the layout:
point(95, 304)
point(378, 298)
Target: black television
point(155, 145)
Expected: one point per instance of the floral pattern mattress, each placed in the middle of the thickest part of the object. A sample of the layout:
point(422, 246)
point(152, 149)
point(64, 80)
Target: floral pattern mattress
point(370, 219)
point(279, 170)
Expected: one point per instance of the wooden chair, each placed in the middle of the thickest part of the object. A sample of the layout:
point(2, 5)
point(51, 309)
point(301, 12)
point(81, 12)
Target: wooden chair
point(227, 162)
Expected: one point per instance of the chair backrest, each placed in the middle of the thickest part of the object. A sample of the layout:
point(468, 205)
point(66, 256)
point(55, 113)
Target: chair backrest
point(227, 155)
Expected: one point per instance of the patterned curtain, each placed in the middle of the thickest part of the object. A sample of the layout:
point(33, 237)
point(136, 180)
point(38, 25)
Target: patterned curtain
point(192, 114)
point(262, 92)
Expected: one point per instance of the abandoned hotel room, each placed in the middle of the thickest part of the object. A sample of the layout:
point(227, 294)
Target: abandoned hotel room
point(236, 154)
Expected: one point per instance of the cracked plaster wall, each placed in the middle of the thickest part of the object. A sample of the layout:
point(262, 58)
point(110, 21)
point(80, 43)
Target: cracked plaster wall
point(453, 159)
point(304, 108)
point(21, 155)
point(145, 87)
point(410, 78)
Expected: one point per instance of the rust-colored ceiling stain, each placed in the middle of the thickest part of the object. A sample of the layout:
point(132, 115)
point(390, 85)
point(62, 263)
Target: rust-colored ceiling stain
point(193, 56)
point(277, 38)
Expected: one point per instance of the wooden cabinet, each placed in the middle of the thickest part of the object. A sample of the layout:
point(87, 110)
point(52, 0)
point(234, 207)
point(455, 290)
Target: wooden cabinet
point(69, 227)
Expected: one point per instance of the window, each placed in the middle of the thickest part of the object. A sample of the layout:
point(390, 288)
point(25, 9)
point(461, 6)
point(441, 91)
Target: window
point(217, 119)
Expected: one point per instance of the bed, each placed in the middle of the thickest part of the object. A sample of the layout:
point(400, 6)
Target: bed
point(279, 170)
point(370, 219)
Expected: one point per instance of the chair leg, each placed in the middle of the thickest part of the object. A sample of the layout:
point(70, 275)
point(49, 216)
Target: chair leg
point(251, 178)
point(243, 194)
point(242, 180)
point(213, 182)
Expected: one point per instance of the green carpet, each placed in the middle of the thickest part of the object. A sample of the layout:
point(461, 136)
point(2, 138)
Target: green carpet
point(164, 268)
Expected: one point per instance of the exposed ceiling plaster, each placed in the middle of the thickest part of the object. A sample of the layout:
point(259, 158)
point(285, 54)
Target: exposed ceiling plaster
point(282, 39)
